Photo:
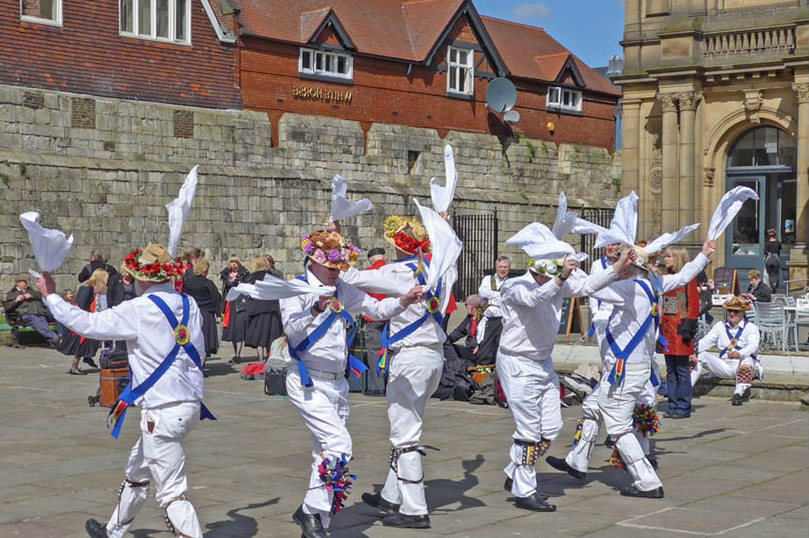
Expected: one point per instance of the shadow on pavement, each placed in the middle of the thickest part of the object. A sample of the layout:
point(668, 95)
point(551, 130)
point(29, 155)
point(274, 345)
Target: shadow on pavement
point(238, 525)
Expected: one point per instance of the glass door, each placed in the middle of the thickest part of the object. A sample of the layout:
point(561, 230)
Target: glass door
point(744, 238)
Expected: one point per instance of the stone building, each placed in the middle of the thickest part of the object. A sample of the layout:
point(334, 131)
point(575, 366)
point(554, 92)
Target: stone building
point(716, 94)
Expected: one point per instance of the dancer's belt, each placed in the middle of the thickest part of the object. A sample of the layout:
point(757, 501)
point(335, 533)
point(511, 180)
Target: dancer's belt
point(325, 375)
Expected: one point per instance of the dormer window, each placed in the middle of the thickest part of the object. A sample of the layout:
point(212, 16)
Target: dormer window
point(460, 70)
point(42, 11)
point(161, 20)
point(563, 99)
point(327, 65)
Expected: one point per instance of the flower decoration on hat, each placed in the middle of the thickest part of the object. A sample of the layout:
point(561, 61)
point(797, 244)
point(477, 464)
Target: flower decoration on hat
point(736, 303)
point(153, 264)
point(329, 249)
point(545, 267)
point(406, 234)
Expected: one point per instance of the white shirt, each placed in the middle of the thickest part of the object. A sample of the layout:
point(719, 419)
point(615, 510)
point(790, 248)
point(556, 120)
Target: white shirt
point(149, 339)
point(329, 354)
point(718, 337)
point(492, 296)
point(631, 307)
point(600, 312)
point(396, 279)
point(531, 313)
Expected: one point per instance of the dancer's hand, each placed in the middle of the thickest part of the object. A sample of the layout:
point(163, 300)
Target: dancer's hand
point(569, 266)
point(692, 360)
point(321, 305)
point(415, 295)
point(627, 256)
point(708, 248)
point(333, 226)
point(45, 284)
point(734, 355)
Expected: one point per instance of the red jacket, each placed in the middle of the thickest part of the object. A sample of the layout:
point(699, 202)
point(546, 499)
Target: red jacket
point(378, 296)
point(679, 304)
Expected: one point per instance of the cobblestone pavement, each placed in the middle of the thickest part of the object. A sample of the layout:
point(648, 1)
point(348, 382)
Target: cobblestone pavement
point(733, 471)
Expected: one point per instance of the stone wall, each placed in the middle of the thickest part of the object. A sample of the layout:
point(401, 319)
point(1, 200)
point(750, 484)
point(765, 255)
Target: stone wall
point(107, 185)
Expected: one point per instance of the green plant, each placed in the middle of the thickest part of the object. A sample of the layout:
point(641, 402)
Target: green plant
point(616, 185)
point(524, 196)
point(5, 162)
point(23, 167)
point(4, 178)
point(532, 149)
point(544, 146)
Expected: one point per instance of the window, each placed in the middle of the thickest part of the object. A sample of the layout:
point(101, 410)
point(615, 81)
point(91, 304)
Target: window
point(459, 75)
point(326, 64)
point(42, 11)
point(763, 146)
point(162, 20)
point(563, 99)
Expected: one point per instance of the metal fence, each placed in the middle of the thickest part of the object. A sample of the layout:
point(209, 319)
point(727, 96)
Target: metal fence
point(602, 217)
point(479, 236)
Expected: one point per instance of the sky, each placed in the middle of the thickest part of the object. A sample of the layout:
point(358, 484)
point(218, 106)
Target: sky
point(591, 29)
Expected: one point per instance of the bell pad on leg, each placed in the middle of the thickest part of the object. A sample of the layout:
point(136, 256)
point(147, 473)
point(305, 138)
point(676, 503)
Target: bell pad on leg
point(397, 452)
point(645, 419)
point(531, 450)
point(744, 375)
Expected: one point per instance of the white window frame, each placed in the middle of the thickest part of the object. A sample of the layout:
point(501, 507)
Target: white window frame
point(556, 99)
point(152, 36)
point(40, 20)
point(469, 66)
point(325, 57)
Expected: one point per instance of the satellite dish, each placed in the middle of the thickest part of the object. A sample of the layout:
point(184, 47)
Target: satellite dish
point(512, 116)
point(501, 95)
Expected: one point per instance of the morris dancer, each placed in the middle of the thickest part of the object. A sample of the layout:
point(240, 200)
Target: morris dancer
point(163, 333)
point(489, 289)
point(738, 340)
point(415, 339)
point(531, 308)
point(318, 388)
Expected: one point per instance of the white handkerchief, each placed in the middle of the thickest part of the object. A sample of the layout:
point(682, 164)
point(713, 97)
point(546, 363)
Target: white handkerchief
point(442, 196)
point(583, 227)
point(548, 250)
point(624, 223)
point(50, 246)
point(178, 210)
point(532, 233)
point(565, 220)
point(341, 207)
point(444, 245)
point(275, 288)
point(728, 208)
point(669, 239)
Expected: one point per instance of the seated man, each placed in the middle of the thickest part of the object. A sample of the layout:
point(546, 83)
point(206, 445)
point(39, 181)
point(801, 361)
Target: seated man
point(26, 306)
point(480, 345)
point(737, 339)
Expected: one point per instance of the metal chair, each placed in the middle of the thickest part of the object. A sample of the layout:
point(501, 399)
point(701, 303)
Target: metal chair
point(772, 324)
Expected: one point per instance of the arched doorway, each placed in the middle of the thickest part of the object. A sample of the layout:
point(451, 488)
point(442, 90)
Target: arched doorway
point(764, 159)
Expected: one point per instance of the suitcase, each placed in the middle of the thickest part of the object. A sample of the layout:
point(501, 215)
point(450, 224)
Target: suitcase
point(112, 383)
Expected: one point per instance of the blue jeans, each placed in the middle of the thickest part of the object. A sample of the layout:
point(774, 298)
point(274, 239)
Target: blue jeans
point(678, 380)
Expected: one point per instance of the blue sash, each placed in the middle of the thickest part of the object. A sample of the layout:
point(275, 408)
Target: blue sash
point(733, 340)
point(182, 339)
point(618, 372)
point(592, 330)
point(337, 311)
point(433, 309)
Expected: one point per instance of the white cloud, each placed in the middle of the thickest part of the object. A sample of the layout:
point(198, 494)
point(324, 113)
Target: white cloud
point(530, 11)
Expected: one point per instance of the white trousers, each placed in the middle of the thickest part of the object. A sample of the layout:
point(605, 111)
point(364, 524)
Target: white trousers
point(532, 392)
point(413, 377)
point(324, 411)
point(724, 369)
point(158, 458)
point(616, 403)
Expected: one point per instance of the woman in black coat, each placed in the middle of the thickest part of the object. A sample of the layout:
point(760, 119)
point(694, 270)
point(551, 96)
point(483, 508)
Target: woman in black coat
point(91, 297)
point(204, 292)
point(234, 314)
point(264, 324)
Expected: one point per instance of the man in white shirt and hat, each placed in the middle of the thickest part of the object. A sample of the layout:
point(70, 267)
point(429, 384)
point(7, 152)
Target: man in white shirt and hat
point(489, 290)
point(316, 325)
point(163, 333)
point(532, 306)
point(737, 340)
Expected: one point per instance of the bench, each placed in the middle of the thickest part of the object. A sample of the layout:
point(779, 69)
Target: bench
point(10, 332)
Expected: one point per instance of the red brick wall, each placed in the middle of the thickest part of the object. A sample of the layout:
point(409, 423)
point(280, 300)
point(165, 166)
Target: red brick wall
point(87, 55)
point(381, 92)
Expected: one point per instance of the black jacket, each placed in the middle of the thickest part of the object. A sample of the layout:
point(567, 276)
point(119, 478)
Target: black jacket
point(92, 266)
point(117, 291)
point(762, 293)
point(204, 292)
point(258, 306)
point(33, 306)
point(487, 349)
point(243, 275)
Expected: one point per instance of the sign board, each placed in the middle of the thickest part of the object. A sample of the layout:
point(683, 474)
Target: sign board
point(570, 320)
point(725, 280)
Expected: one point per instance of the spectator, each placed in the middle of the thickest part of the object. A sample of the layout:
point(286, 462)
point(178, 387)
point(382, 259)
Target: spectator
point(264, 317)
point(772, 260)
point(273, 270)
point(705, 288)
point(97, 261)
point(477, 349)
point(374, 382)
point(489, 291)
point(120, 287)
point(234, 318)
point(757, 291)
point(188, 258)
point(91, 297)
point(61, 330)
point(26, 305)
point(679, 327)
point(204, 292)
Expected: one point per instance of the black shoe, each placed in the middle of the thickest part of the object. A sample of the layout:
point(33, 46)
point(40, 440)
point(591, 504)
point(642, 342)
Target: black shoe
point(54, 342)
point(608, 442)
point(746, 394)
point(376, 500)
point(652, 462)
point(311, 526)
point(95, 529)
point(632, 491)
point(509, 482)
point(737, 399)
point(534, 503)
point(404, 521)
point(561, 465)
point(89, 362)
point(234, 360)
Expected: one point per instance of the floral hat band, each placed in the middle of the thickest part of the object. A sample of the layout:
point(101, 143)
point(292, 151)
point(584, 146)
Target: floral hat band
point(736, 303)
point(153, 264)
point(329, 249)
point(406, 234)
point(545, 267)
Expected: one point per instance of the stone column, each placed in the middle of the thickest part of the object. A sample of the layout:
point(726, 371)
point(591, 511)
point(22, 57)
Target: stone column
point(670, 191)
point(799, 255)
point(630, 146)
point(687, 184)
